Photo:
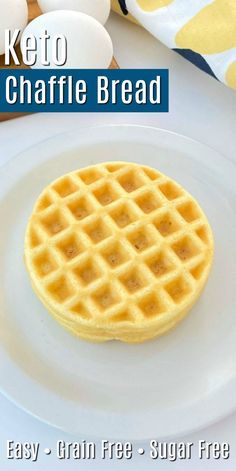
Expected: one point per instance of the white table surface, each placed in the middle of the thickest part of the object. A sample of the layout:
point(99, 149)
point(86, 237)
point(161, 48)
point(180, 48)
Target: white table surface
point(201, 108)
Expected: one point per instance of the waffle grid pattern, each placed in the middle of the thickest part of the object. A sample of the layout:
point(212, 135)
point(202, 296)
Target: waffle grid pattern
point(118, 243)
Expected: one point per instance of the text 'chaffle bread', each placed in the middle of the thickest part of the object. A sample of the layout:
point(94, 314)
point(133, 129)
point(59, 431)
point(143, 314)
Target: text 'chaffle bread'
point(118, 251)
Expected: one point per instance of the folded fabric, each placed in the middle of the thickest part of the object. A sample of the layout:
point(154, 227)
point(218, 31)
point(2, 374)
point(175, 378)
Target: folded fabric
point(203, 31)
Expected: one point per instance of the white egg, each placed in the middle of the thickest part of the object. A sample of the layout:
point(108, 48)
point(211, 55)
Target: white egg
point(89, 45)
point(13, 15)
point(99, 9)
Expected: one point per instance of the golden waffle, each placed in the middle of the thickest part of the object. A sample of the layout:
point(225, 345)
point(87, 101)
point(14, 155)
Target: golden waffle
point(118, 251)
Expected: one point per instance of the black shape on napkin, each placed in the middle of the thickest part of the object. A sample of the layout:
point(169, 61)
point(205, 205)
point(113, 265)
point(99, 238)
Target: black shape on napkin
point(123, 7)
point(196, 59)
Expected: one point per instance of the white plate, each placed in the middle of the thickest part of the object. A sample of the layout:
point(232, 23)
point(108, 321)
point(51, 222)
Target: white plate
point(180, 382)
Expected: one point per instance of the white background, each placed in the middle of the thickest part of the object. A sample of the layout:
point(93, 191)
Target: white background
point(200, 108)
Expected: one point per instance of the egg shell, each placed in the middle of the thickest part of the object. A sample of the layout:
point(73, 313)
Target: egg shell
point(89, 45)
point(13, 15)
point(99, 9)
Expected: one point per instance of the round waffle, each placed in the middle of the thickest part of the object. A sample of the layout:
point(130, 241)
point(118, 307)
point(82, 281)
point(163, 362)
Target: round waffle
point(118, 251)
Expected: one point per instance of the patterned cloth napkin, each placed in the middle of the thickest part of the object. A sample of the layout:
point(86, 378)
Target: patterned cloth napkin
point(203, 31)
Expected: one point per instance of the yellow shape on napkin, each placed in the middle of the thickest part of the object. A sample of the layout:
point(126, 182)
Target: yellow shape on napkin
point(212, 30)
point(152, 5)
point(231, 75)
